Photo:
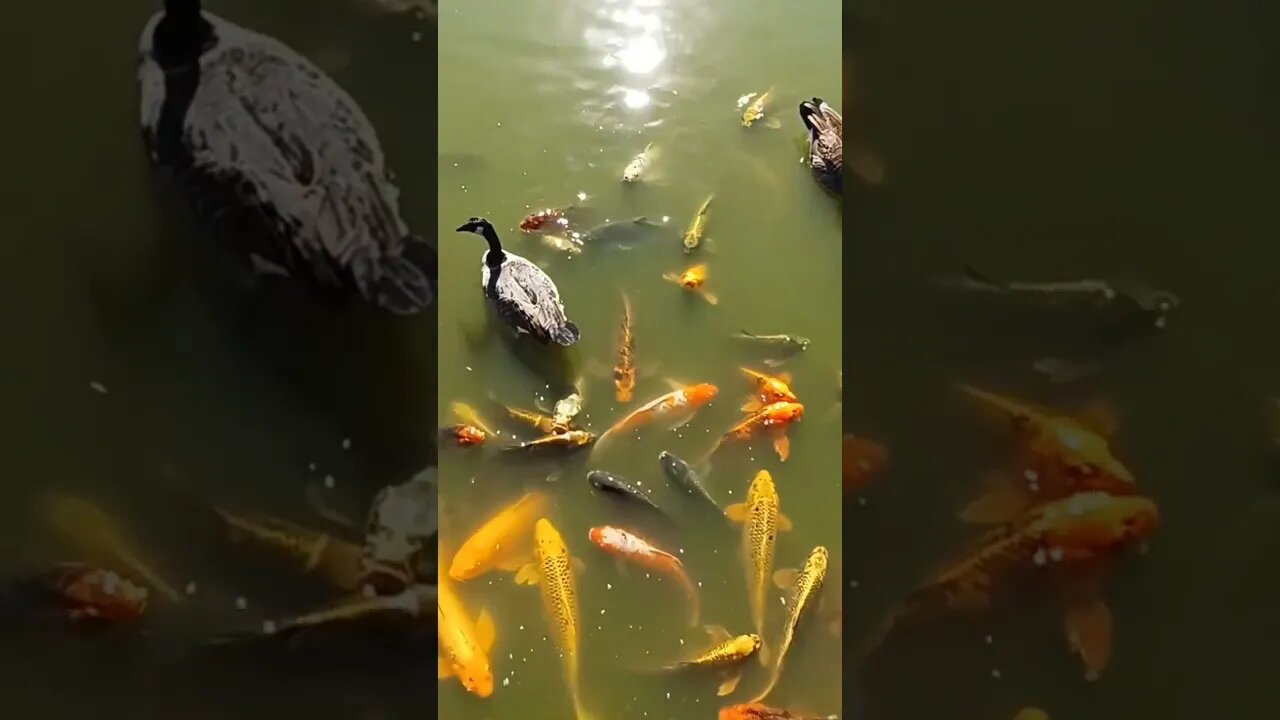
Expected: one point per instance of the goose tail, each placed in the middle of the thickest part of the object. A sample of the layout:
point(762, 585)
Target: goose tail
point(566, 334)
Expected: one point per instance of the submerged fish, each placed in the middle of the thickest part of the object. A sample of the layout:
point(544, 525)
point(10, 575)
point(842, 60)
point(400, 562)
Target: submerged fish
point(570, 244)
point(860, 459)
point(464, 435)
point(772, 419)
point(464, 645)
point(618, 486)
point(768, 389)
point(638, 165)
point(568, 440)
point(805, 587)
point(783, 345)
point(635, 549)
point(762, 520)
point(621, 233)
point(1075, 534)
point(541, 219)
point(680, 403)
point(685, 478)
point(503, 542)
point(86, 595)
point(537, 421)
point(756, 711)
point(693, 279)
point(336, 560)
point(755, 109)
point(624, 371)
point(726, 652)
point(698, 226)
point(566, 409)
point(553, 572)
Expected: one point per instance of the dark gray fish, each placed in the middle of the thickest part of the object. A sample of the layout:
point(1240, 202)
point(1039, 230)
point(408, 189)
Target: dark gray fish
point(1135, 301)
point(619, 486)
point(685, 478)
point(788, 344)
point(624, 233)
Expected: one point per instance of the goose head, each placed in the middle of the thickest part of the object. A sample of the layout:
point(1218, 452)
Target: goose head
point(484, 229)
point(477, 225)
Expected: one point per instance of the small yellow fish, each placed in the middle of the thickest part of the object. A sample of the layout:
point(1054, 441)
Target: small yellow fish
point(762, 520)
point(568, 440)
point(464, 645)
point(805, 586)
point(756, 108)
point(698, 227)
point(563, 243)
point(537, 421)
point(468, 415)
point(338, 561)
point(726, 652)
point(553, 571)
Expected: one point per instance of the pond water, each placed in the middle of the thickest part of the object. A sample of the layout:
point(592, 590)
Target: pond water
point(137, 377)
point(544, 108)
point(1058, 143)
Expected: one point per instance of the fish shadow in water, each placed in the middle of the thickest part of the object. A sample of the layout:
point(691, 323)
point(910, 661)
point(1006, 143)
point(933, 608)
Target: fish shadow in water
point(555, 365)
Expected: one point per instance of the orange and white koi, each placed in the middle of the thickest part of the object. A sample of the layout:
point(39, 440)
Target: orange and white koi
point(682, 403)
point(693, 279)
point(769, 389)
point(630, 547)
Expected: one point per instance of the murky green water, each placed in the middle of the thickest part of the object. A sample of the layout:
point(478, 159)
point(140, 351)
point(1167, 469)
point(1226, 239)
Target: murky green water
point(1094, 140)
point(107, 280)
point(537, 110)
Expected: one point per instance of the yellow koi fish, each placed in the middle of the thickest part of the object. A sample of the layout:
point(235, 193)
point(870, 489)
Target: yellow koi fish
point(338, 561)
point(698, 226)
point(553, 571)
point(726, 652)
point(464, 645)
point(762, 520)
point(805, 586)
point(502, 542)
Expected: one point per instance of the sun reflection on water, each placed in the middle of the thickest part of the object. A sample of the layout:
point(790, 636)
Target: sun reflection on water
point(634, 38)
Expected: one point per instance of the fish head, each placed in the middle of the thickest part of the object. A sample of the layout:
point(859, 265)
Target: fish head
point(746, 645)
point(781, 413)
point(762, 489)
point(580, 437)
point(477, 680)
point(700, 394)
point(1095, 523)
point(106, 595)
point(817, 562)
point(1084, 453)
point(605, 536)
point(547, 540)
point(465, 566)
point(468, 435)
point(477, 225)
point(671, 464)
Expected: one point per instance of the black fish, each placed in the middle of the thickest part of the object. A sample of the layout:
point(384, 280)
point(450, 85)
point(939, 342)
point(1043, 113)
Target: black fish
point(684, 477)
point(619, 486)
point(622, 233)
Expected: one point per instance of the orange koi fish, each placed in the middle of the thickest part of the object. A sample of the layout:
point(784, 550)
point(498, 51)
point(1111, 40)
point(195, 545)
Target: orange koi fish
point(624, 373)
point(625, 545)
point(773, 419)
point(90, 595)
point(860, 459)
point(1070, 539)
point(504, 541)
point(1058, 456)
point(768, 389)
point(693, 280)
point(471, 431)
point(757, 711)
point(682, 403)
point(464, 645)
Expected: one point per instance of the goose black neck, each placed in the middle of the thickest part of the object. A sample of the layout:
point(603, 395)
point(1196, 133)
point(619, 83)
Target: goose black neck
point(495, 256)
point(181, 34)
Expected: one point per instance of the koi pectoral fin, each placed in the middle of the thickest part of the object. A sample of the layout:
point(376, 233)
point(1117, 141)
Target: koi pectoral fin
point(527, 575)
point(485, 631)
point(785, 577)
point(709, 297)
point(730, 683)
point(513, 562)
point(784, 523)
point(737, 512)
point(718, 633)
point(443, 670)
point(782, 445)
point(1088, 628)
point(752, 405)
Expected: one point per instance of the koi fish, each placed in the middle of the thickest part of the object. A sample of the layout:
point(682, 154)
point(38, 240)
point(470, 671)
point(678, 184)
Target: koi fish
point(537, 421)
point(768, 389)
point(464, 645)
point(503, 542)
point(685, 478)
point(569, 244)
point(726, 653)
point(618, 486)
point(786, 343)
point(682, 402)
point(337, 561)
point(539, 219)
point(859, 460)
point(638, 164)
point(630, 547)
point(465, 435)
point(408, 604)
point(772, 418)
point(1061, 455)
point(762, 520)
point(693, 280)
point(756, 711)
point(805, 586)
point(755, 109)
point(95, 533)
point(88, 594)
point(1031, 713)
point(566, 409)
point(1072, 534)
point(553, 572)
point(568, 440)
point(698, 226)
point(624, 372)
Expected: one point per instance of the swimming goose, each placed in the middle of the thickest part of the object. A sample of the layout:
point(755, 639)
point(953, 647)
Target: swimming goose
point(826, 143)
point(281, 158)
point(524, 295)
